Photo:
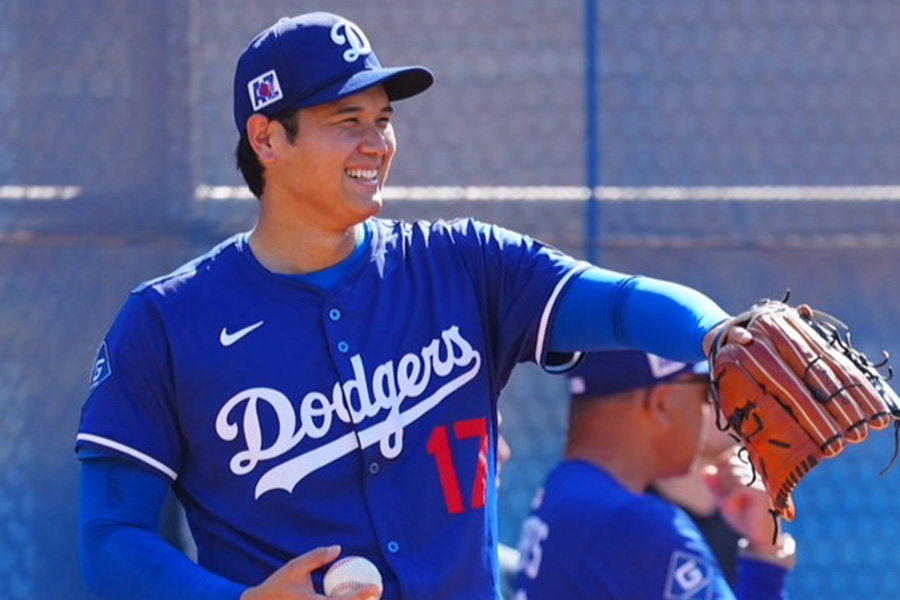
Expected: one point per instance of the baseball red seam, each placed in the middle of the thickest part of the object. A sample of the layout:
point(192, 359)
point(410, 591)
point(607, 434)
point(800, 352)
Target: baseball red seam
point(347, 586)
point(344, 586)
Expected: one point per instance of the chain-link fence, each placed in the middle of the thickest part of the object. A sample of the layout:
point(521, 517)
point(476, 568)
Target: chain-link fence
point(745, 147)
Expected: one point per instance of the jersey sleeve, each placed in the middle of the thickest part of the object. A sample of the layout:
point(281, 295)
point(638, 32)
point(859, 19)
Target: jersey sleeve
point(520, 281)
point(653, 554)
point(129, 411)
point(759, 580)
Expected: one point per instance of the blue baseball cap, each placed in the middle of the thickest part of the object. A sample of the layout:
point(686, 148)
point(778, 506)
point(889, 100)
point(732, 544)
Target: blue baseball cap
point(312, 59)
point(615, 371)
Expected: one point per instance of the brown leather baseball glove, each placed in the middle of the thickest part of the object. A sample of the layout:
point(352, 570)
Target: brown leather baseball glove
point(797, 392)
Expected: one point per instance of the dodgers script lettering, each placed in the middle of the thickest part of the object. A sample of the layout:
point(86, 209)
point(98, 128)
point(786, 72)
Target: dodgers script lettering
point(449, 358)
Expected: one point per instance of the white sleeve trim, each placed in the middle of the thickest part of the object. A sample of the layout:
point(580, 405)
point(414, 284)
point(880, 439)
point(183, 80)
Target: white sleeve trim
point(149, 460)
point(542, 337)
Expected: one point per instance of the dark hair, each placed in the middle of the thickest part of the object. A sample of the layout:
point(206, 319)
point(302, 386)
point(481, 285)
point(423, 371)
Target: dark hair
point(247, 161)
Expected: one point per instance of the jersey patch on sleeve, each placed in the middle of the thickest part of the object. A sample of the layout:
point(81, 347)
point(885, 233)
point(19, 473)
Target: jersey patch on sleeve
point(690, 577)
point(102, 368)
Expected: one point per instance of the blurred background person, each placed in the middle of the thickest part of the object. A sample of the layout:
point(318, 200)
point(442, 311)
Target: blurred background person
point(594, 531)
point(695, 492)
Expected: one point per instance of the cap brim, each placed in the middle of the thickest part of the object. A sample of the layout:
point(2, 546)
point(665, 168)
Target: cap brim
point(399, 83)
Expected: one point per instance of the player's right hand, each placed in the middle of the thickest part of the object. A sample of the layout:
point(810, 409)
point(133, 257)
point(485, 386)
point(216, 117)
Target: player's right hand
point(744, 507)
point(293, 581)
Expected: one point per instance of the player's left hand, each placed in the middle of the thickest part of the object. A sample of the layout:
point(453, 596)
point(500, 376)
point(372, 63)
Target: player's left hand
point(797, 392)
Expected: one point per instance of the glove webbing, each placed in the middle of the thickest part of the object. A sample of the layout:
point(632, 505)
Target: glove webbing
point(837, 334)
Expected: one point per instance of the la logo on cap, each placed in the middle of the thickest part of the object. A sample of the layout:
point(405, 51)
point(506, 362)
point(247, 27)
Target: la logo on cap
point(264, 90)
point(345, 32)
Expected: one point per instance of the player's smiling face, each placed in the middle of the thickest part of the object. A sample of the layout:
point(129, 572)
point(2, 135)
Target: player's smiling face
point(340, 158)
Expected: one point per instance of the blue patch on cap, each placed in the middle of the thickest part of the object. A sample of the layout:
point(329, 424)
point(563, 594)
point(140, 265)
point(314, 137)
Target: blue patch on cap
point(264, 90)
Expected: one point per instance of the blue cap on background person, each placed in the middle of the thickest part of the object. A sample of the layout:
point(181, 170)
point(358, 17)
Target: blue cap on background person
point(615, 371)
point(312, 59)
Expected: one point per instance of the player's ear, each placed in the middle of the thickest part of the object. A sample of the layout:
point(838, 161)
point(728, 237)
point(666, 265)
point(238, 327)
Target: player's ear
point(658, 406)
point(259, 134)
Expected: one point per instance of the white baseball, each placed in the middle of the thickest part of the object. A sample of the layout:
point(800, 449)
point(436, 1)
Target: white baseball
point(350, 574)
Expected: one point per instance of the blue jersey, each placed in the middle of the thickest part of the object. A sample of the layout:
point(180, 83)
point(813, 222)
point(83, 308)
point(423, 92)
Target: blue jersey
point(589, 538)
point(288, 417)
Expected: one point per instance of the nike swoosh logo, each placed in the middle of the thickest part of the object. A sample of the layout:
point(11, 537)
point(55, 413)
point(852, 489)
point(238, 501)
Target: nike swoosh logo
point(227, 339)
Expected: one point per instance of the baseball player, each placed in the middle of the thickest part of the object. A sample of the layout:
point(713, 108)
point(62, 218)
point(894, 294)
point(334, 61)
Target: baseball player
point(594, 531)
point(693, 493)
point(327, 383)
